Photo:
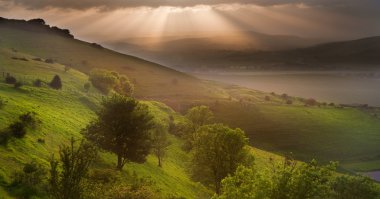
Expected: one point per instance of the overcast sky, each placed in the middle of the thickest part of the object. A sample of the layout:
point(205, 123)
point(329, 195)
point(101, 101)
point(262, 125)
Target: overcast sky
point(120, 19)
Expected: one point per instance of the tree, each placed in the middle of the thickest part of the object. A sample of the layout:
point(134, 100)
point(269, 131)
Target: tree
point(199, 116)
point(66, 182)
point(160, 141)
point(122, 127)
point(103, 80)
point(37, 83)
point(196, 117)
point(124, 87)
point(56, 82)
point(285, 180)
point(354, 187)
point(217, 152)
point(9, 79)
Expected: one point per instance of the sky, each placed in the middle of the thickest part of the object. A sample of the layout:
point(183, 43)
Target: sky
point(106, 20)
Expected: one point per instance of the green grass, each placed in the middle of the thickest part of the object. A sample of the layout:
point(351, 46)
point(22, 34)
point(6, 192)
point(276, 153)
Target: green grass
point(351, 136)
point(348, 135)
point(63, 114)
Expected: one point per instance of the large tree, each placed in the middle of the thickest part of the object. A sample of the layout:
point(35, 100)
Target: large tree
point(218, 150)
point(122, 127)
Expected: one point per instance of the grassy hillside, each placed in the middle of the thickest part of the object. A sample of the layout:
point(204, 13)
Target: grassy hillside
point(350, 135)
point(326, 133)
point(152, 81)
point(63, 114)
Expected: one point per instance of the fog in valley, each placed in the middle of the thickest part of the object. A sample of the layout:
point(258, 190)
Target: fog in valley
point(344, 87)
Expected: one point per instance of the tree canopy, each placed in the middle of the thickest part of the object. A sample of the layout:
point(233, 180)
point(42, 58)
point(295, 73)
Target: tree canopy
point(218, 151)
point(122, 127)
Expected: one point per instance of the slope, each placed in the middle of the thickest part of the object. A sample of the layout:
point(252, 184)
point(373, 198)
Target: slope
point(63, 114)
point(151, 80)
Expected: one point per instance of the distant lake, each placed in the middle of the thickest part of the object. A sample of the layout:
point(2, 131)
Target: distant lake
point(338, 86)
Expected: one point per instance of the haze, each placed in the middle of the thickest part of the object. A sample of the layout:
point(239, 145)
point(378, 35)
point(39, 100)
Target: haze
point(117, 20)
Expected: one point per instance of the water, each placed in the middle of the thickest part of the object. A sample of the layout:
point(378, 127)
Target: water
point(374, 175)
point(339, 86)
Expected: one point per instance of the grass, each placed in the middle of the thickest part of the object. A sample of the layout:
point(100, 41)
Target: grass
point(63, 114)
point(349, 135)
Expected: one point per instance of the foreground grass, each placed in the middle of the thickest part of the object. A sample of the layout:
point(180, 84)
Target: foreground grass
point(63, 114)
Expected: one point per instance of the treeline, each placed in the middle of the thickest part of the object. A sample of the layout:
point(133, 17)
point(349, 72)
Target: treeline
point(35, 25)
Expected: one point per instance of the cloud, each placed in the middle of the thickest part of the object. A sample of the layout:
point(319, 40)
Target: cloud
point(116, 4)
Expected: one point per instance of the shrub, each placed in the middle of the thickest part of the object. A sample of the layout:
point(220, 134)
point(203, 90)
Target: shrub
point(18, 129)
point(267, 98)
point(49, 61)
point(37, 83)
point(56, 82)
point(29, 182)
point(289, 102)
point(103, 80)
point(87, 86)
point(9, 79)
point(67, 182)
point(284, 96)
point(311, 102)
point(5, 135)
point(37, 59)
point(29, 119)
point(358, 187)
point(18, 85)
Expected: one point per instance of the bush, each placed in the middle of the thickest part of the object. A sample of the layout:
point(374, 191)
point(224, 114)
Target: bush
point(9, 79)
point(103, 80)
point(18, 129)
point(29, 182)
point(5, 135)
point(18, 85)
point(29, 119)
point(87, 86)
point(311, 102)
point(37, 83)
point(356, 187)
point(284, 96)
point(267, 98)
point(289, 102)
point(56, 82)
point(37, 59)
point(49, 61)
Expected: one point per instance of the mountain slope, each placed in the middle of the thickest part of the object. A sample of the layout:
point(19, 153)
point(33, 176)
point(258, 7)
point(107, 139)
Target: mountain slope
point(203, 54)
point(63, 114)
point(149, 78)
point(205, 50)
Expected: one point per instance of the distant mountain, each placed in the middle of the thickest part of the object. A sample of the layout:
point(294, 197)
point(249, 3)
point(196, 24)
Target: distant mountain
point(208, 50)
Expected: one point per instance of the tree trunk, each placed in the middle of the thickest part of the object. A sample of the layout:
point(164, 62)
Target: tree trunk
point(159, 161)
point(119, 162)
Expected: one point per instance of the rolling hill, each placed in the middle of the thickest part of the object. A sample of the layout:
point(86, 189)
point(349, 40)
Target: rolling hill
point(264, 52)
point(206, 50)
point(322, 132)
